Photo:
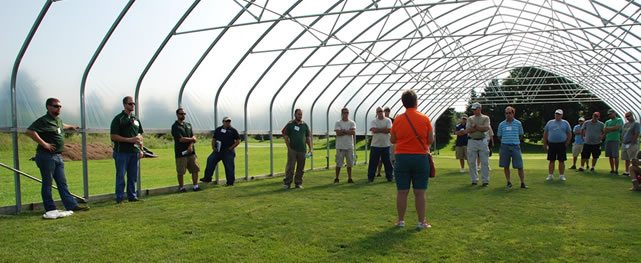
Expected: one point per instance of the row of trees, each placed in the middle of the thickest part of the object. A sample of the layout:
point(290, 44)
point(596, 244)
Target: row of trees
point(535, 94)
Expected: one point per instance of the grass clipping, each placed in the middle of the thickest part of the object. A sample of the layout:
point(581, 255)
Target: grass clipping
point(95, 151)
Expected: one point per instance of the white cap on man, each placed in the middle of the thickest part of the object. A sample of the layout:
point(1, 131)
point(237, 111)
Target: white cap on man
point(475, 106)
point(559, 111)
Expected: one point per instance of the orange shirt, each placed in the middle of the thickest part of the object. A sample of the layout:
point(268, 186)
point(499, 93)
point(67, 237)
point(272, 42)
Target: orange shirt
point(406, 141)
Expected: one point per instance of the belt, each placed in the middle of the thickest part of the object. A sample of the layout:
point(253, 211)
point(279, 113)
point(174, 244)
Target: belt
point(477, 139)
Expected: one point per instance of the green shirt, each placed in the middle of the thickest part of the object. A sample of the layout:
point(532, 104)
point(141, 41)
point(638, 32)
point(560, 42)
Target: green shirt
point(178, 131)
point(614, 135)
point(126, 126)
point(51, 130)
point(297, 134)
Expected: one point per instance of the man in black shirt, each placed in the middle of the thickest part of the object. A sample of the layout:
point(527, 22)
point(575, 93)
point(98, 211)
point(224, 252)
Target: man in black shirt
point(223, 144)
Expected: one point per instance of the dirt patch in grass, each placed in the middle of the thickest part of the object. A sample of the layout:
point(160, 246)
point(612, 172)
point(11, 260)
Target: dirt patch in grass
point(95, 151)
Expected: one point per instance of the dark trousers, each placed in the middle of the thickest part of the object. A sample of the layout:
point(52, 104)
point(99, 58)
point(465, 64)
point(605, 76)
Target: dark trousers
point(52, 168)
point(376, 154)
point(228, 161)
point(298, 159)
point(126, 163)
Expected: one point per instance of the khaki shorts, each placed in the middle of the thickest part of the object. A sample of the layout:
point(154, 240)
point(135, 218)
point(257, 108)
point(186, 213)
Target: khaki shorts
point(576, 150)
point(629, 153)
point(187, 163)
point(342, 154)
point(461, 152)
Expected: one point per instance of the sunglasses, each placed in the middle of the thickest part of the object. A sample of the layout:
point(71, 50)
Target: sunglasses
point(57, 106)
point(227, 121)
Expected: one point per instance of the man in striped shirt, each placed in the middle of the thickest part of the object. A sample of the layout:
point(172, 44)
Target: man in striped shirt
point(511, 133)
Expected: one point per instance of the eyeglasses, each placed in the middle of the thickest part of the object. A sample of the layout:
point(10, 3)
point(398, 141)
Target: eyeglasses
point(57, 106)
point(131, 103)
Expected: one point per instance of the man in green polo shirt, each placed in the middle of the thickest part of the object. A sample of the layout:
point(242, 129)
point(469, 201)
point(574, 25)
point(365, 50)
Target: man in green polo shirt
point(48, 132)
point(185, 150)
point(612, 132)
point(126, 135)
point(296, 134)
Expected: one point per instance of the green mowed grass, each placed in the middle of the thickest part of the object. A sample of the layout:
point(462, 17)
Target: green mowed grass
point(155, 172)
point(590, 217)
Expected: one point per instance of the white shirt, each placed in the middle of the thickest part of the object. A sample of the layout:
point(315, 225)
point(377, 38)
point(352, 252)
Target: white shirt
point(345, 142)
point(381, 139)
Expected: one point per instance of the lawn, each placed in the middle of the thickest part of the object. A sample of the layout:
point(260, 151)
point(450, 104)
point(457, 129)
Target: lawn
point(592, 217)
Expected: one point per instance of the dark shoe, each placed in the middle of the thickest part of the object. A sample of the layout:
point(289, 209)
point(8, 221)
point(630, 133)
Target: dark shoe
point(336, 181)
point(350, 181)
point(484, 184)
point(378, 175)
point(119, 201)
point(580, 169)
point(523, 186)
point(204, 180)
point(508, 186)
point(474, 183)
point(196, 188)
point(592, 169)
point(626, 174)
point(134, 199)
point(80, 208)
point(182, 190)
point(286, 186)
point(299, 186)
point(573, 167)
point(370, 180)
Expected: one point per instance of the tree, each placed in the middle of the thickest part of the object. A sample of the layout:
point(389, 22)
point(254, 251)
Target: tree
point(443, 128)
point(535, 94)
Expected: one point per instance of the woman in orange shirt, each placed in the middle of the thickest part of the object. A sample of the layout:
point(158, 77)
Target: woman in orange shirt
point(412, 133)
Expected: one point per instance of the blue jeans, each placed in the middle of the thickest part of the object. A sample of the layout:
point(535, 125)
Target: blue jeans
point(376, 154)
point(228, 161)
point(53, 168)
point(126, 162)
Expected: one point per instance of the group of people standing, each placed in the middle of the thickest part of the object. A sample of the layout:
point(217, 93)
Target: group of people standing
point(617, 137)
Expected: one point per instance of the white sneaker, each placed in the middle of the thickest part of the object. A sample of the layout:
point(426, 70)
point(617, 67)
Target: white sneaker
point(423, 225)
point(400, 223)
point(550, 177)
point(561, 177)
point(53, 214)
point(65, 213)
point(462, 170)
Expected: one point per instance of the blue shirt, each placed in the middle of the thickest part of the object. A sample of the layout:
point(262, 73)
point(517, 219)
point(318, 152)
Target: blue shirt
point(461, 140)
point(510, 132)
point(578, 138)
point(557, 130)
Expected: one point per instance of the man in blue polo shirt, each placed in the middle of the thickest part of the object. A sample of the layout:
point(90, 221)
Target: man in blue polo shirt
point(511, 133)
point(557, 135)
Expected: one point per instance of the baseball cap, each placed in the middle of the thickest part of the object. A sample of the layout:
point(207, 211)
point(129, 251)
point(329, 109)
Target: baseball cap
point(558, 111)
point(226, 119)
point(475, 105)
point(581, 119)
